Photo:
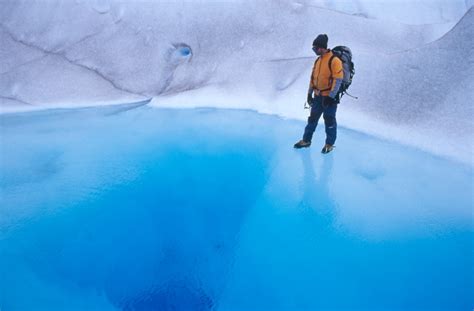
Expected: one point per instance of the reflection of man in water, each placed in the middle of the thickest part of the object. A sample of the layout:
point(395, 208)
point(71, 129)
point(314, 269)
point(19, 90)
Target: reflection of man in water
point(316, 194)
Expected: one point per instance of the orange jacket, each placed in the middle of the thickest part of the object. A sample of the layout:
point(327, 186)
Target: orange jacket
point(322, 80)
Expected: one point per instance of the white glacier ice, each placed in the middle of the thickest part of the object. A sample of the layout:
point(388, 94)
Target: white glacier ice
point(412, 71)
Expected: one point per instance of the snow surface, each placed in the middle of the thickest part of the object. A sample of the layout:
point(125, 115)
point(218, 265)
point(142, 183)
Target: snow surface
point(413, 74)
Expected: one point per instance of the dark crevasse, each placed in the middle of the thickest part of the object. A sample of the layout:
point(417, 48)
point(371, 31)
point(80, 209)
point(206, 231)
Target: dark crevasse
point(207, 209)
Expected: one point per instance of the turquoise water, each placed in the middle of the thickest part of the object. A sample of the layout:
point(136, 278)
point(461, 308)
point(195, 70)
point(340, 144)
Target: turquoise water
point(204, 209)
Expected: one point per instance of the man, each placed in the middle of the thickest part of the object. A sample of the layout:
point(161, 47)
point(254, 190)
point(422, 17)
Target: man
point(326, 79)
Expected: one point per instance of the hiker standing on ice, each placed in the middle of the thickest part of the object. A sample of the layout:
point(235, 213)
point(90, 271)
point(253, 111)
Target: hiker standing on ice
point(326, 79)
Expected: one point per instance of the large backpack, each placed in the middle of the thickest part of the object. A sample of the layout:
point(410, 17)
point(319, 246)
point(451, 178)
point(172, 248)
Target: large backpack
point(345, 55)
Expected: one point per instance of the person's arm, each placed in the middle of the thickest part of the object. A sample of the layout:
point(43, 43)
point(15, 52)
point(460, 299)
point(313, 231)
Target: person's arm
point(337, 75)
point(310, 88)
point(336, 85)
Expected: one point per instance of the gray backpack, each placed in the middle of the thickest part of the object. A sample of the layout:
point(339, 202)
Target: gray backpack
point(345, 55)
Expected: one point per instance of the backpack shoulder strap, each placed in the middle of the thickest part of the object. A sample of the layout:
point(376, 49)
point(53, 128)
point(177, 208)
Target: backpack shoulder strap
point(330, 63)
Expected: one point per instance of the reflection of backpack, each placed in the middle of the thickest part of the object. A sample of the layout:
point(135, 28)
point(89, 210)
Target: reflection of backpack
point(345, 55)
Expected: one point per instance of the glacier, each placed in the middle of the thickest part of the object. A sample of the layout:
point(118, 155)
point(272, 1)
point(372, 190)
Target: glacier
point(146, 158)
point(249, 55)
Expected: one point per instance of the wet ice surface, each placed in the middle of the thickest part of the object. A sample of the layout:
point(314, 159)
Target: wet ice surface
point(206, 209)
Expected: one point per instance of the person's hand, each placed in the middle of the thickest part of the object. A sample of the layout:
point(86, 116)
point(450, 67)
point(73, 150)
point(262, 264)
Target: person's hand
point(310, 99)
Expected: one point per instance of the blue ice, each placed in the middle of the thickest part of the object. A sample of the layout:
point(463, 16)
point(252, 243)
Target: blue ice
point(114, 208)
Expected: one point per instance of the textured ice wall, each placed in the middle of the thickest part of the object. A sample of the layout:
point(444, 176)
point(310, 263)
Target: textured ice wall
point(79, 50)
point(405, 11)
point(424, 94)
point(244, 54)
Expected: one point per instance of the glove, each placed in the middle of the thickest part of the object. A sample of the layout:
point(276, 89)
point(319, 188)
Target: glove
point(310, 99)
point(328, 101)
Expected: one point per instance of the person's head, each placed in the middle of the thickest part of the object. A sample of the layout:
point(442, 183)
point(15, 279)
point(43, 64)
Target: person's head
point(320, 44)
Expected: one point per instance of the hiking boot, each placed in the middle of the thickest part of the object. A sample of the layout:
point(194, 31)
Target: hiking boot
point(302, 144)
point(327, 148)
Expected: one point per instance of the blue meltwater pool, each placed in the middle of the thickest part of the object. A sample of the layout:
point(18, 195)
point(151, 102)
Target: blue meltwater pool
point(114, 208)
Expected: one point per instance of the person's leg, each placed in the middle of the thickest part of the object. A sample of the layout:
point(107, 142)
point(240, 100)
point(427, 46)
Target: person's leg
point(316, 111)
point(330, 124)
